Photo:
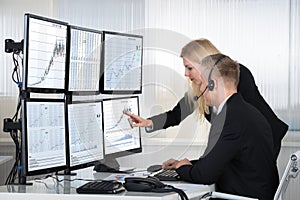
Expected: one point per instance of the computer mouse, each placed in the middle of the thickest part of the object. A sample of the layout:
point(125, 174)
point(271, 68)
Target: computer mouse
point(154, 168)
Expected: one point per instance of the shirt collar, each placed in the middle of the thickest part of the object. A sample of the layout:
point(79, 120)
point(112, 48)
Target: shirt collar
point(221, 105)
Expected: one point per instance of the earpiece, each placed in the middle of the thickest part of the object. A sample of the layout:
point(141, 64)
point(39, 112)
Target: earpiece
point(211, 83)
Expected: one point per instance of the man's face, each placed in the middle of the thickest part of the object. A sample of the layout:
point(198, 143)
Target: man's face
point(191, 71)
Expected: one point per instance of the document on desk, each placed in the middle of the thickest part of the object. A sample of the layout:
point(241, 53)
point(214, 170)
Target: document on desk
point(120, 177)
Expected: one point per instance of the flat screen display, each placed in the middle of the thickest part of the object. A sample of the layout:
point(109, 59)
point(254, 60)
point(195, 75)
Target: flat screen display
point(45, 46)
point(122, 63)
point(45, 135)
point(85, 133)
point(119, 137)
point(85, 60)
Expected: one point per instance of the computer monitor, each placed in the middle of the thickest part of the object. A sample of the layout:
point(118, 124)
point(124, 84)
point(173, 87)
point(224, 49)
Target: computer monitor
point(44, 136)
point(85, 134)
point(84, 60)
point(119, 138)
point(45, 45)
point(122, 63)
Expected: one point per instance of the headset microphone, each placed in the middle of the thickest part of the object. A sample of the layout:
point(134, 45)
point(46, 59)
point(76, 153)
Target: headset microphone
point(197, 97)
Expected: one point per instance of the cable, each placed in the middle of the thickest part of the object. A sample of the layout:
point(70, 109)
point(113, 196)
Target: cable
point(15, 117)
point(55, 178)
point(16, 72)
point(170, 188)
point(76, 179)
point(13, 173)
point(14, 133)
point(180, 192)
point(66, 179)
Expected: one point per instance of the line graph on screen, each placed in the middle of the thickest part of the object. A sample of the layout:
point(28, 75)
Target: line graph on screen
point(46, 54)
point(123, 55)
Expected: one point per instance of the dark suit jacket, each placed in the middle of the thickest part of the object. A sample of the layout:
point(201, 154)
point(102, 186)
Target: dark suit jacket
point(241, 159)
point(248, 89)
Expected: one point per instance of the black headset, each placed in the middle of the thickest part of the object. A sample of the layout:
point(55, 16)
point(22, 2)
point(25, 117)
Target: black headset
point(211, 83)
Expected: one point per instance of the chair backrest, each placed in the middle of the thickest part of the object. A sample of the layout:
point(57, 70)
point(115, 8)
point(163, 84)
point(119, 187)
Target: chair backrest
point(291, 171)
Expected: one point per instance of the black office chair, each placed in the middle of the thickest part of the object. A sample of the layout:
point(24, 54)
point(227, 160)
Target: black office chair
point(291, 171)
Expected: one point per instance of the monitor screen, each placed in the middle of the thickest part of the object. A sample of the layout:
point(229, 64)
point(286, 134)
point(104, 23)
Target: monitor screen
point(45, 135)
point(119, 138)
point(85, 134)
point(85, 60)
point(45, 43)
point(122, 63)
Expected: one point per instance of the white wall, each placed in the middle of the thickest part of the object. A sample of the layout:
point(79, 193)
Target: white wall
point(12, 17)
point(263, 35)
point(12, 23)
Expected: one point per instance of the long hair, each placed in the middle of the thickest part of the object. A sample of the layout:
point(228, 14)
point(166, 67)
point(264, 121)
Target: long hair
point(195, 51)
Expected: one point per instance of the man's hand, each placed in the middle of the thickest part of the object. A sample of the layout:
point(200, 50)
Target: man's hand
point(183, 162)
point(170, 164)
point(174, 164)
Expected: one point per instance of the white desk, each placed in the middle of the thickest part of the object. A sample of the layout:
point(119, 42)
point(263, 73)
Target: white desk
point(49, 189)
point(6, 163)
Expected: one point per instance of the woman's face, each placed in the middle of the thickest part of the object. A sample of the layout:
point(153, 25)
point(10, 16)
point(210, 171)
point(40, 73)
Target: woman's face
point(191, 71)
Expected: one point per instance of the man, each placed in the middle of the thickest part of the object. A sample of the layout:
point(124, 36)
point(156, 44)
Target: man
point(239, 158)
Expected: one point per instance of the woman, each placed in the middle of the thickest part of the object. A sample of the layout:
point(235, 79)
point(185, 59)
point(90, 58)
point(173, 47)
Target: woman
point(192, 54)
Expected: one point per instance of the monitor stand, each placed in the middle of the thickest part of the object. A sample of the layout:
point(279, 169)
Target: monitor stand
point(108, 165)
point(66, 172)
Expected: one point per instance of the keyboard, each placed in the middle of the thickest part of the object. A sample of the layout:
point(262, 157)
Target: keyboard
point(103, 187)
point(167, 175)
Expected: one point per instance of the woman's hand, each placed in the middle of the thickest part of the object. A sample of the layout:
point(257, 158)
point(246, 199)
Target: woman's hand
point(137, 121)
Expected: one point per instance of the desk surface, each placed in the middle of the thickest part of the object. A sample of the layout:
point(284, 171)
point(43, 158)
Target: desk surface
point(50, 189)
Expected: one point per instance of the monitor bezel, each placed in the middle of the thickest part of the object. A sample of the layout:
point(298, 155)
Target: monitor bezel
point(91, 163)
point(102, 78)
point(124, 152)
point(25, 86)
point(82, 92)
point(25, 138)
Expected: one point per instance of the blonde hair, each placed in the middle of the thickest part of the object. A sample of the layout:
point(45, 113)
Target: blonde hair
point(195, 51)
